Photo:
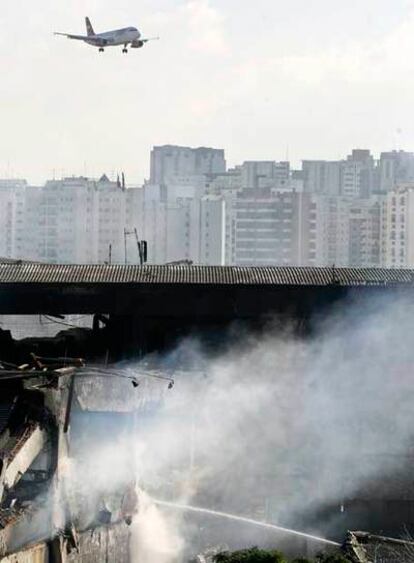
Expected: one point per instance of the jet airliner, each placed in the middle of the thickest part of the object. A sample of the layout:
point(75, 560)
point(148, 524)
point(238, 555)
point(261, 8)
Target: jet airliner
point(126, 36)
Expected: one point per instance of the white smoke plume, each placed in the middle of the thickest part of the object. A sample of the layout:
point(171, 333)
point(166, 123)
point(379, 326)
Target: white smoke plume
point(278, 426)
point(155, 536)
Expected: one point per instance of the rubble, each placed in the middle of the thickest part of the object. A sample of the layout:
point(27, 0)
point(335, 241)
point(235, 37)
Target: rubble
point(36, 520)
point(363, 547)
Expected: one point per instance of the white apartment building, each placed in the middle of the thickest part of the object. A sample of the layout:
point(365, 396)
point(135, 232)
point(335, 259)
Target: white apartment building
point(398, 228)
point(171, 222)
point(76, 220)
point(269, 228)
point(322, 177)
point(118, 210)
point(226, 186)
point(11, 201)
point(170, 162)
point(265, 174)
point(212, 231)
point(223, 183)
point(348, 231)
point(180, 223)
point(67, 219)
point(358, 174)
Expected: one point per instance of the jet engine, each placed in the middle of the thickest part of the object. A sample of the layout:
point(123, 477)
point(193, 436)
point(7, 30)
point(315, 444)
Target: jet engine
point(137, 44)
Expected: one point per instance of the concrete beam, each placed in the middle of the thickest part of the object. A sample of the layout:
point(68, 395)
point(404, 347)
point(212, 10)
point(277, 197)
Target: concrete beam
point(16, 464)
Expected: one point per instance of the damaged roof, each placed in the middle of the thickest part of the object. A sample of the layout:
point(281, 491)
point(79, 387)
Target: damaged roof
point(32, 273)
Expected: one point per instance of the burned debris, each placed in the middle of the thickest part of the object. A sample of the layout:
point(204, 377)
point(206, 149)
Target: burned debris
point(28, 455)
point(363, 547)
point(39, 514)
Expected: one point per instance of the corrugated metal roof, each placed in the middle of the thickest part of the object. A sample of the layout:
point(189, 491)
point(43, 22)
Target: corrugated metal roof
point(24, 273)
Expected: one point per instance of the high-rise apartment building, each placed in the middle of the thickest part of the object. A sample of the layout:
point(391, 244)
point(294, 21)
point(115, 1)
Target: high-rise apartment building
point(181, 223)
point(269, 228)
point(395, 167)
point(398, 227)
point(354, 177)
point(358, 174)
point(264, 174)
point(66, 221)
point(170, 162)
point(224, 183)
point(11, 215)
point(365, 233)
point(76, 220)
point(212, 231)
point(117, 210)
point(322, 177)
point(349, 231)
point(171, 222)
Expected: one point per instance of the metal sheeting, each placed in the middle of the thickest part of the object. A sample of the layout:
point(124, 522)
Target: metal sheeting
point(26, 273)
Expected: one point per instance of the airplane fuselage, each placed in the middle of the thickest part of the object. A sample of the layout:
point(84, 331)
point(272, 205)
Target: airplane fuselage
point(117, 37)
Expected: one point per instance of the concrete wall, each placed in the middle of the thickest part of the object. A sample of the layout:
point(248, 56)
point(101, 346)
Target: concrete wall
point(109, 544)
point(36, 554)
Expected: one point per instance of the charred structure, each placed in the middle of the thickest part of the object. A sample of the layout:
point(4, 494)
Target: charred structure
point(140, 309)
point(39, 519)
point(137, 310)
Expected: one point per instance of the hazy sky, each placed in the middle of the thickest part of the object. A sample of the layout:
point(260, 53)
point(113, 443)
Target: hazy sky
point(262, 79)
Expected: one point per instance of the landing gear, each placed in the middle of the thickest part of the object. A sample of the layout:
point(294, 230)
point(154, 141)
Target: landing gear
point(125, 50)
point(101, 49)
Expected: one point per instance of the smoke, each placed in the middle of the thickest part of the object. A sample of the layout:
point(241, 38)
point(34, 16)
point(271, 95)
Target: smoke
point(156, 537)
point(278, 427)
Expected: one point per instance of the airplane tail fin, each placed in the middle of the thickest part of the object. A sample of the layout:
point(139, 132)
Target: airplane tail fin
point(89, 28)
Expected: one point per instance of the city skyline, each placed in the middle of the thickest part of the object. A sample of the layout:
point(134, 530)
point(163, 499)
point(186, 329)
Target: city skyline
point(116, 174)
point(263, 81)
point(357, 211)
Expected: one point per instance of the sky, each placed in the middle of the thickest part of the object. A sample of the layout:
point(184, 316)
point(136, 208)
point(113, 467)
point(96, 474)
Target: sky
point(264, 80)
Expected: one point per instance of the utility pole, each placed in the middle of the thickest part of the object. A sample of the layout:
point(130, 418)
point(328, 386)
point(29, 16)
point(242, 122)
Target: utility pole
point(126, 233)
point(141, 246)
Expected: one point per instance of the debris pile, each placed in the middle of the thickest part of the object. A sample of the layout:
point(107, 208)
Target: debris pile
point(36, 515)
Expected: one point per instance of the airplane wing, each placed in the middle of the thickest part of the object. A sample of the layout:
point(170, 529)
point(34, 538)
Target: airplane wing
point(70, 36)
point(149, 39)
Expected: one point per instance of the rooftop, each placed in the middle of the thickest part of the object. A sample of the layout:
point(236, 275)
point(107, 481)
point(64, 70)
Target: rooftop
point(12, 272)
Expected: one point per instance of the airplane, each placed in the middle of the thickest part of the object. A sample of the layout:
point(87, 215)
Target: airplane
point(126, 36)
